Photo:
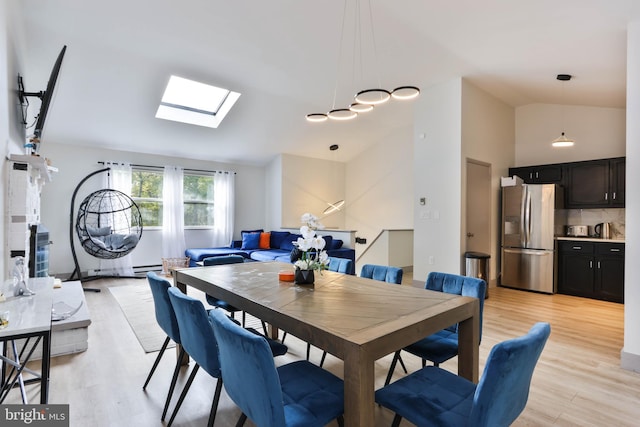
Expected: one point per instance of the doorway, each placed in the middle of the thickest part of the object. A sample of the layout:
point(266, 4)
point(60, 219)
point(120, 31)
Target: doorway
point(478, 211)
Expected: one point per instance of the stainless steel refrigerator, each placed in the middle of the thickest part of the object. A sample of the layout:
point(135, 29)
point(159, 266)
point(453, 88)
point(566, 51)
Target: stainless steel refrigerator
point(528, 229)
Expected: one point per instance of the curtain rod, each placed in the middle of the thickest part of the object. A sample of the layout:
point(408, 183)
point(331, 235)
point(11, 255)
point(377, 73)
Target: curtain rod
point(161, 167)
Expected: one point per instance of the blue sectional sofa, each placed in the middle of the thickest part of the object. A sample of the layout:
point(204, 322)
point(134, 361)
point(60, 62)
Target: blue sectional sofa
point(256, 245)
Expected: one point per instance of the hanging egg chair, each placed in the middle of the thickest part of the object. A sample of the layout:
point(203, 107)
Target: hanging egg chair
point(108, 224)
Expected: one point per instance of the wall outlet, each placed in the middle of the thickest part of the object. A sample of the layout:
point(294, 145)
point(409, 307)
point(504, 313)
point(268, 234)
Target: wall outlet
point(431, 260)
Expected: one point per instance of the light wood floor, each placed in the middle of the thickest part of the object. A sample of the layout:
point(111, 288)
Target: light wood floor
point(577, 382)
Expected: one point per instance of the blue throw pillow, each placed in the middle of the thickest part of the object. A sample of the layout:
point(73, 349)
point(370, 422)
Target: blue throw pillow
point(250, 240)
point(277, 237)
point(287, 242)
point(328, 240)
point(337, 244)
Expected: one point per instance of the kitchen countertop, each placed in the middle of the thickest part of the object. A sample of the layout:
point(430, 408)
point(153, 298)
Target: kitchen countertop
point(589, 239)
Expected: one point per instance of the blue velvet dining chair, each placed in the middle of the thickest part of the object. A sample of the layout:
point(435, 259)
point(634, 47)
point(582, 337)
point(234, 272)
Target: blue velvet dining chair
point(382, 273)
point(216, 302)
point(340, 265)
point(167, 321)
point(200, 343)
point(296, 394)
point(443, 345)
point(435, 397)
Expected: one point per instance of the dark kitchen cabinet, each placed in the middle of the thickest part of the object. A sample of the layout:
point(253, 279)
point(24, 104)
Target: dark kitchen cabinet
point(543, 174)
point(617, 169)
point(595, 183)
point(591, 269)
point(588, 184)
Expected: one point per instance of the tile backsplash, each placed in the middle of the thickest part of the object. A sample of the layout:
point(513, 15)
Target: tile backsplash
point(594, 216)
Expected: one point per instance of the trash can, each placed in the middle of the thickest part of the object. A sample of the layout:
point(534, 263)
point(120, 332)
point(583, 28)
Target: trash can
point(476, 264)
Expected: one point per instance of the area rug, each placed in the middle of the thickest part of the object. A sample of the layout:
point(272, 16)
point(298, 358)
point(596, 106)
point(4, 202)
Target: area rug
point(136, 303)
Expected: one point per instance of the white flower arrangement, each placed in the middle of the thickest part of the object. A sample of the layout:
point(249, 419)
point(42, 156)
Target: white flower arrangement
point(311, 246)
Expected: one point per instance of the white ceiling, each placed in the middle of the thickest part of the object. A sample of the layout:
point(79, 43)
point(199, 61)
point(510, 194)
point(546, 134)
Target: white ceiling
point(282, 55)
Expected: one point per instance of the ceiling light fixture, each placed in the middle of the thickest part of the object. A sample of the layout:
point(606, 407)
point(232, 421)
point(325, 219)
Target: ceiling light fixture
point(334, 207)
point(364, 99)
point(562, 140)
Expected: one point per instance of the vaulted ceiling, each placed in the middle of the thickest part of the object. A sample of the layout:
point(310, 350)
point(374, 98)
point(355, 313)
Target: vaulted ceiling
point(283, 57)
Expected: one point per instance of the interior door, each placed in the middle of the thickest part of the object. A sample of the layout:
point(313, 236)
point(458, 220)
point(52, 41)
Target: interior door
point(478, 212)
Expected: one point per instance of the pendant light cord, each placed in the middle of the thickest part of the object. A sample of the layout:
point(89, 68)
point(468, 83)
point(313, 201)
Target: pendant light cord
point(335, 88)
point(375, 47)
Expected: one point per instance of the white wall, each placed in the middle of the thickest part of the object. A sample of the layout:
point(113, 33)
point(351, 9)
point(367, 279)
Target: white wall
point(273, 191)
point(488, 131)
point(12, 134)
point(630, 355)
point(437, 177)
point(599, 133)
point(379, 185)
point(76, 162)
point(307, 186)
point(455, 121)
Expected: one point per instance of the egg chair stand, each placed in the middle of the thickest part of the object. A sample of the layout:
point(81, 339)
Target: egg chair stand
point(108, 225)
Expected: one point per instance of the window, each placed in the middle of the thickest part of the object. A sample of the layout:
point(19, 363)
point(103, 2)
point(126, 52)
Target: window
point(198, 200)
point(195, 103)
point(146, 191)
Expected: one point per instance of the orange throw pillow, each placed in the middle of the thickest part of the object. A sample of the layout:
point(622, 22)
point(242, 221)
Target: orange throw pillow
point(265, 238)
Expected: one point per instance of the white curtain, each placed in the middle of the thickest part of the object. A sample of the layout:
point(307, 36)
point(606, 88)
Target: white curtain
point(119, 178)
point(173, 242)
point(224, 207)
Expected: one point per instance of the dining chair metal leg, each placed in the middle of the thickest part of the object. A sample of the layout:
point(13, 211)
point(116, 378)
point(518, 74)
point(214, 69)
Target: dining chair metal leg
point(241, 420)
point(155, 364)
point(340, 420)
point(174, 379)
point(392, 368)
point(324, 356)
point(184, 393)
point(404, 368)
point(396, 421)
point(214, 405)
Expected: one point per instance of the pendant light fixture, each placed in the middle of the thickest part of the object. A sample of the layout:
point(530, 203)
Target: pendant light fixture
point(364, 100)
point(562, 140)
point(333, 207)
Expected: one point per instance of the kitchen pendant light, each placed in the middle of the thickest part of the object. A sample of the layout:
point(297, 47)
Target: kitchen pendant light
point(364, 100)
point(562, 140)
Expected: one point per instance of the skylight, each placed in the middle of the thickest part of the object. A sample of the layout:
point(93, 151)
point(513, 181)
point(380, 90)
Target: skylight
point(195, 103)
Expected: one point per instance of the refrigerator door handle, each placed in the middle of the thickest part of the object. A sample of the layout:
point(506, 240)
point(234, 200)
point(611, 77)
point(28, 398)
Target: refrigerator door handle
point(527, 215)
point(528, 252)
point(523, 202)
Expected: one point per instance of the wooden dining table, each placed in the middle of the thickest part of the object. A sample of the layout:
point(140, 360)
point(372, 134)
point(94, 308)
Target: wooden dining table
point(355, 319)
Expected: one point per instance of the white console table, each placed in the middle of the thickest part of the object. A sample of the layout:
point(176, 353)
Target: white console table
point(30, 319)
